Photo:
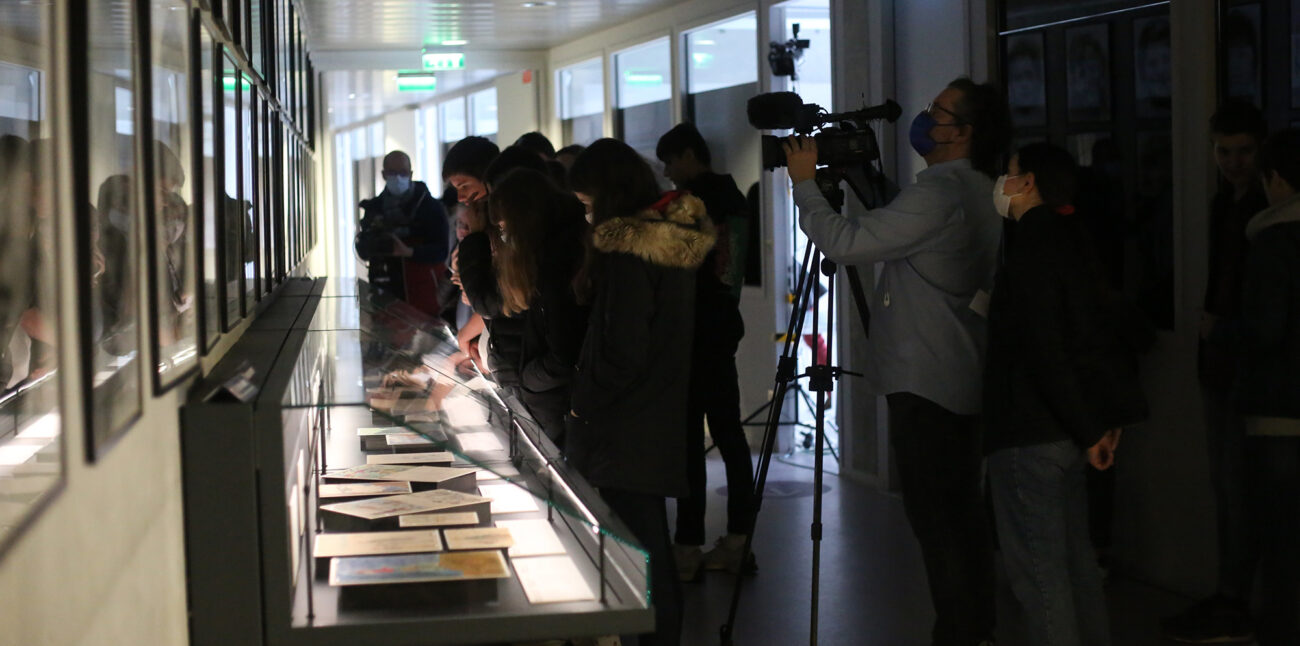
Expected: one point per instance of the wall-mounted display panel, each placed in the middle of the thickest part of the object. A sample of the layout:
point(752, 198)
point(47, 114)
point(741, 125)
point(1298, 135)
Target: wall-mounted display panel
point(208, 165)
point(109, 234)
point(32, 461)
point(172, 247)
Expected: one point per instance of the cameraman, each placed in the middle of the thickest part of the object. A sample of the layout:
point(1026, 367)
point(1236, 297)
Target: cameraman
point(403, 237)
point(938, 244)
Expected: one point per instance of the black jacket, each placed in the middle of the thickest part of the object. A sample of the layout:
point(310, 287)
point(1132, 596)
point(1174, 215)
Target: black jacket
point(1268, 380)
point(505, 333)
point(1062, 358)
point(1217, 359)
point(554, 323)
point(718, 324)
point(631, 385)
point(417, 219)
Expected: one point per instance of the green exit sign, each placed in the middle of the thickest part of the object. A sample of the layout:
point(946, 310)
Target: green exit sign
point(444, 61)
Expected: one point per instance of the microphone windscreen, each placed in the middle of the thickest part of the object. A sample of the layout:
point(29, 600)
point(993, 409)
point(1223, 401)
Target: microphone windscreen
point(774, 110)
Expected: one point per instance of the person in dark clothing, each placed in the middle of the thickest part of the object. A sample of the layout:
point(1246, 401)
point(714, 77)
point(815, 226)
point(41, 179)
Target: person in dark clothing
point(627, 431)
point(1267, 393)
point(568, 154)
point(536, 142)
point(466, 166)
point(715, 391)
point(542, 233)
point(478, 277)
point(403, 237)
point(1237, 130)
point(1057, 388)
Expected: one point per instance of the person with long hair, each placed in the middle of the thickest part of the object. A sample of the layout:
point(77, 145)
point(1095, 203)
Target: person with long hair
point(627, 431)
point(539, 252)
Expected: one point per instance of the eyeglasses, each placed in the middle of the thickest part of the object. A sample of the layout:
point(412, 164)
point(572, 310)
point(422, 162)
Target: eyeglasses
point(957, 120)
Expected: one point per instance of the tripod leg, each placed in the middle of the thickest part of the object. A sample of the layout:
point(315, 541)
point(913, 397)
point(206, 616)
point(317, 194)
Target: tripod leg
point(785, 376)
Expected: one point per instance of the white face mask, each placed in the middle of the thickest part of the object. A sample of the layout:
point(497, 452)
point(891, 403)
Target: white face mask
point(1001, 201)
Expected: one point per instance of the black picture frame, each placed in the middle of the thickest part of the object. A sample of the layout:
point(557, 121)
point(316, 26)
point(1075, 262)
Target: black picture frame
point(1026, 74)
point(171, 264)
point(122, 387)
point(1295, 54)
point(1088, 72)
point(1152, 70)
point(206, 115)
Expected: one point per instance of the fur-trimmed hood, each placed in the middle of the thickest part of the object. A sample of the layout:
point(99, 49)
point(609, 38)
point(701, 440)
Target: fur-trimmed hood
point(675, 232)
point(1287, 210)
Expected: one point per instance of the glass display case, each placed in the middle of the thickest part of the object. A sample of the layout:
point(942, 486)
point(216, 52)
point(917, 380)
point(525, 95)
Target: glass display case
point(400, 496)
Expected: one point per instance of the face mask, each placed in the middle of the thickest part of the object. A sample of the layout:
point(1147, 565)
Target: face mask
point(919, 135)
point(119, 219)
point(398, 184)
point(1001, 201)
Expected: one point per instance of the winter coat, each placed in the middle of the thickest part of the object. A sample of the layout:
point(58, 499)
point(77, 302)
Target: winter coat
point(554, 323)
point(1268, 379)
point(718, 324)
point(1063, 347)
point(1217, 356)
point(630, 390)
point(419, 220)
point(505, 333)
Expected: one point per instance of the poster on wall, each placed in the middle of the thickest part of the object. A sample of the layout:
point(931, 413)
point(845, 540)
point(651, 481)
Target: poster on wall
point(1087, 57)
point(1240, 36)
point(1026, 80)
point(1151, 62)
point(173, 240)
point(108, 233)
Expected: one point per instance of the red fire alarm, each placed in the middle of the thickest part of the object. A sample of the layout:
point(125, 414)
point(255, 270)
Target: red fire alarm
point(528, 77)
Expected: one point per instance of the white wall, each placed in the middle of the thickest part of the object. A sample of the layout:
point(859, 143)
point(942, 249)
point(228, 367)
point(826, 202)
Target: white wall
point(518, 101)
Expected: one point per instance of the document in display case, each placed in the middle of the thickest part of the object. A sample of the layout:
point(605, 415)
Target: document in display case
point(306, 525)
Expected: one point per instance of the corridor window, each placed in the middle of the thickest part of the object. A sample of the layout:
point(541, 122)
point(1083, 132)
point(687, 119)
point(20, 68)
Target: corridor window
point(643, 82)
point(582, 101)
point(451, 124)
point(483, 114)
point(722, 55)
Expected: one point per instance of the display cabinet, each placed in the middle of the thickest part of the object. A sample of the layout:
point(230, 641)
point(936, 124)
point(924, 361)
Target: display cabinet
point(351, 479)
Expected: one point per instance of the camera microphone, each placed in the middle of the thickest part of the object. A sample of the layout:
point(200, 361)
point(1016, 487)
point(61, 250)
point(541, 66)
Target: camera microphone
point(774, 110)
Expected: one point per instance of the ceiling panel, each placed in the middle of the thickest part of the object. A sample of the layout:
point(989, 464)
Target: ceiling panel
point(485, 24)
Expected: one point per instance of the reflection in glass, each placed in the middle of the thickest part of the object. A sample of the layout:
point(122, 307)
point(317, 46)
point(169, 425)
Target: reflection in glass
point(31, 450)
point(247, 164)
point(266, 226)
point(211, 275)
point(173, 192)
point(114, 292)
point(234, 208)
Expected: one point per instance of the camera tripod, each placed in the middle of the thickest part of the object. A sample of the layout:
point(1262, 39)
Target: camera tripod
point(821, 376)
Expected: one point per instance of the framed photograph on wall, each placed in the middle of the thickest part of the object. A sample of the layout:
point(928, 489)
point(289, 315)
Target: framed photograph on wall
point(32, 443)
point(207, 171)
point(172, 232)
point(1151, 61)
point(1241, 40)
point(1087, 61)
point(233, 209)
point(1026, 79)
point(109, 192)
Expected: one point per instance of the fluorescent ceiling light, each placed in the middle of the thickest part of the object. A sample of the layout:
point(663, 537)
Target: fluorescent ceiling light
point(454, 43)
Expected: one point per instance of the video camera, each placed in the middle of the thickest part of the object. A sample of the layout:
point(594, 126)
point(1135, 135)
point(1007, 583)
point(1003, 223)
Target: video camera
point(850, 142)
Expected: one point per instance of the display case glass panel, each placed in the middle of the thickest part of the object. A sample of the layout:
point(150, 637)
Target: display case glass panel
point(210, 301)
point(251, 189)
point(235, 210)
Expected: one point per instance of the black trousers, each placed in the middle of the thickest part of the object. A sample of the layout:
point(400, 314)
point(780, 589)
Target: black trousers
point(939, 455)
point(647, 518)
point(715, 394)
point(1275, 497)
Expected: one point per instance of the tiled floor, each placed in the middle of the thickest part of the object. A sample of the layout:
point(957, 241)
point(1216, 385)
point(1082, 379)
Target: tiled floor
point(873, 588)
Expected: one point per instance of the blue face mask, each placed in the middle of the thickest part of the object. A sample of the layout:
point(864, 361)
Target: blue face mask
point(398, 184)
point(919, 135)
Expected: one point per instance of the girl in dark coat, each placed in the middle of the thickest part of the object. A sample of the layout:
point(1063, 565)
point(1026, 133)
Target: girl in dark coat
point(628, 432)
point(542, 230)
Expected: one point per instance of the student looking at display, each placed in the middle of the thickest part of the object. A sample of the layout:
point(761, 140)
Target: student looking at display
point(715, 389)
point(627, 431)
point(540, 249)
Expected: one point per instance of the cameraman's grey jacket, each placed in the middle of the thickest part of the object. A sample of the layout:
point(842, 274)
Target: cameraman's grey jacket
point(938, 241)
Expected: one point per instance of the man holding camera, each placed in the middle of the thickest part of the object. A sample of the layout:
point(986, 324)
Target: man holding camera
point(404, 238)
point(937, 243)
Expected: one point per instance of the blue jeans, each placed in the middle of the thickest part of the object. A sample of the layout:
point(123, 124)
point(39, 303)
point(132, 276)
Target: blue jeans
point(1040, 507)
